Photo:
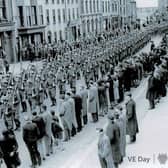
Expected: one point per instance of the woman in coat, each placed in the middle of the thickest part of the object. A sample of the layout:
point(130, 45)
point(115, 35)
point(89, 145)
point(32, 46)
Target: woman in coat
point(116, 90)
point(66, 117)
point(104, 151)
point(84, 96)
point(93, 102)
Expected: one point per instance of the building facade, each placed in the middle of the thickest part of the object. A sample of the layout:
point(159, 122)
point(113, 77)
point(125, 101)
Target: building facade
point(110, 11)
point(8, 29)
point(30, 22)
point(91, 17)
point(131, 11)
point(62, 20)
point(27, 22)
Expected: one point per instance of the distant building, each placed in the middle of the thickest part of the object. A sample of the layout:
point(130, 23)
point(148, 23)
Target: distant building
point(143, 13)
point(162, 4)
point(131, 11)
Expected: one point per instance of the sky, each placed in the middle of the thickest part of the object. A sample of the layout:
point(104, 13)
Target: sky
point(146, 3)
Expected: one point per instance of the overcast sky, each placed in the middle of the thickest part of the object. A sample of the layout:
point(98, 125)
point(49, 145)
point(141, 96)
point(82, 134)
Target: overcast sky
point(146, 3)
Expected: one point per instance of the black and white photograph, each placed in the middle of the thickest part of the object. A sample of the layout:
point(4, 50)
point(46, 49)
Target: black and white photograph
point(83, 83)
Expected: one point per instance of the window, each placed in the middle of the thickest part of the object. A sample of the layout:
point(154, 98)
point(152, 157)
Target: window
point(34, 15)
point(97, 5)
point(54, 16)
point(41, 15)
point(63, 13)
point(94, 6)
point(59, 15)
point(116, 7)
point(62, 1)
point(86, 6)
point(3, 10)
point(48, 16)
point(58, 1)
point(73, 13)
point(60, 34)
point(49, 36)
point(46, 1)
point(21, 17)
point(77, 13)
point(53, 1)
point(28, 16)
point(108, 6)
point(55, 37)
point(103, 6)
point(112, 7)
point(69, 14)
point(90, 6)
point(82, 6)
point(66, 35)
point(88, 26)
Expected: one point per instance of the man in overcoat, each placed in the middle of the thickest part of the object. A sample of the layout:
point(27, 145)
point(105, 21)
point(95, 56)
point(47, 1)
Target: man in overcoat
point(30, 137)
point(132, 123)
point(104, 151)
point(113, 132)
point(151, 91)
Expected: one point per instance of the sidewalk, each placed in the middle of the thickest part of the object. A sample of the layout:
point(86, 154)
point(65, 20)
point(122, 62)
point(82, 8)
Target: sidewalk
point(152, 139)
